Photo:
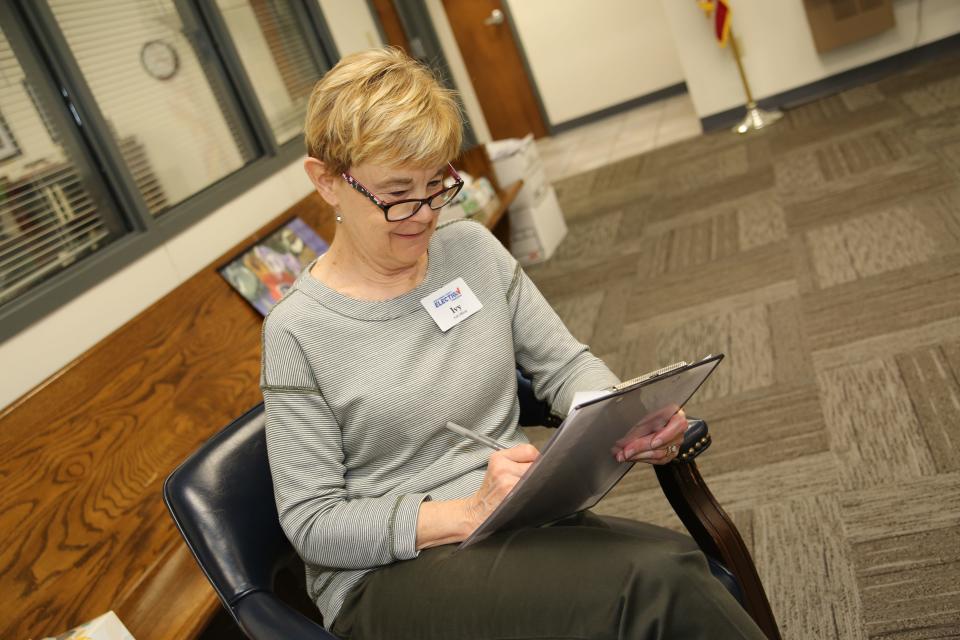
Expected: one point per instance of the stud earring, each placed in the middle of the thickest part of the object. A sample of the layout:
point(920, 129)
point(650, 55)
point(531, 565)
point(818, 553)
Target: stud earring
point(339, 218)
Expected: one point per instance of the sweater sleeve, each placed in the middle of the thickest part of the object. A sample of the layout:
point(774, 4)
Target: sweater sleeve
point(304, 445)
point(559, 364)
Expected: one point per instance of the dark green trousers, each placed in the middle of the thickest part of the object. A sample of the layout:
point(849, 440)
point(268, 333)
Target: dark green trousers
point(586, 577)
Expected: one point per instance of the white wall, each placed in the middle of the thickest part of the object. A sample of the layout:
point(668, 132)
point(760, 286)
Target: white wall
point(587, 55)
point(778, 49)
point(47, 345)
point(351, 24)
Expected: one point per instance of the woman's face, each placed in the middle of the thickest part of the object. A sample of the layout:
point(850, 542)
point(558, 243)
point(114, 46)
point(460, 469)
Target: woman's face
point(392, 244)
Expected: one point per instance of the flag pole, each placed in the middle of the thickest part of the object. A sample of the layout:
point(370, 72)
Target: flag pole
point(756, 117)
point(743, 75)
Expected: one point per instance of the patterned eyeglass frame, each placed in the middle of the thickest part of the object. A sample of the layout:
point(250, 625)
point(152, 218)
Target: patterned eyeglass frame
point(383, 206)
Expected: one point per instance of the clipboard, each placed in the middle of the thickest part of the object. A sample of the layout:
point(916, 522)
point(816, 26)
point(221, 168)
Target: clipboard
point(576, 467)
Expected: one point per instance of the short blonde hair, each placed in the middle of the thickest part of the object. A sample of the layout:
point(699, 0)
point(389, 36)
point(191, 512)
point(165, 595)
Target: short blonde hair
point(382, 106)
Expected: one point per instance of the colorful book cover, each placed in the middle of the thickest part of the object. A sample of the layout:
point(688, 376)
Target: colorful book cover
point(267, 270)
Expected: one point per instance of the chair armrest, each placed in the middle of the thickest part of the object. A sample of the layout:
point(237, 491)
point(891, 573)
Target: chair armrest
point(264, 616)
point(695, 441)
point(710, 526)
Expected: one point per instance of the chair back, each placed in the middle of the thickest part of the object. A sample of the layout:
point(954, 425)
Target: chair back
point(221, 499)
point(533, 412)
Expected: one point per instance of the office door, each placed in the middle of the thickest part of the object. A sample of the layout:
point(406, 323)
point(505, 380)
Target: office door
point(496, 69)
point(391, 23)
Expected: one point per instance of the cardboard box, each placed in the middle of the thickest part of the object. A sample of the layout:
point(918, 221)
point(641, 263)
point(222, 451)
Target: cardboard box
point(534, 190)
point(536, 232)
point(105, 627)
point(518, 159)
point(835, 23)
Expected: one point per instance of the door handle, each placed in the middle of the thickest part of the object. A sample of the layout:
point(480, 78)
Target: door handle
point(496, 17)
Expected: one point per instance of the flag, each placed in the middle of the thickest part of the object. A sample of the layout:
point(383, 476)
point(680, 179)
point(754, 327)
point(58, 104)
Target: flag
point(720, 11)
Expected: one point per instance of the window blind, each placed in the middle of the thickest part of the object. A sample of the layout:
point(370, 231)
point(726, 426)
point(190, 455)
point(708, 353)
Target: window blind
point(48, 219)
point(158, 84)
point(272, 43)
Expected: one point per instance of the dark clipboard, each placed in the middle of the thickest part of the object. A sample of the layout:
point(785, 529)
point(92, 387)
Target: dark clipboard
point(576, 468)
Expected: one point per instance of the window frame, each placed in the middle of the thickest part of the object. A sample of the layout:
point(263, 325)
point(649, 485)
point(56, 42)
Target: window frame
point(42, 50)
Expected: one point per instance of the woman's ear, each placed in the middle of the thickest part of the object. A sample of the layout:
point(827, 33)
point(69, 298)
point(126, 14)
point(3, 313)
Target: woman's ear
point(323, 180)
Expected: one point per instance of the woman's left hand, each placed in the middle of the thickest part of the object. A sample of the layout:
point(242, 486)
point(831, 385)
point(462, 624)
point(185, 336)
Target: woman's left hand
point(658, 447)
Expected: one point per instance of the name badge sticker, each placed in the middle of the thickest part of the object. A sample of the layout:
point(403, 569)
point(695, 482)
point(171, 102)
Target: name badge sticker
point(451, 304)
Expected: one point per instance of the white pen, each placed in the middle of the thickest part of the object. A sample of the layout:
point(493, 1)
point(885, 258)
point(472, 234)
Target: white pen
point(476, 437)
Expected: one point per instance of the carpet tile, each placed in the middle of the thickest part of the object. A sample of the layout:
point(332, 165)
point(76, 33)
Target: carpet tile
point(822, 256)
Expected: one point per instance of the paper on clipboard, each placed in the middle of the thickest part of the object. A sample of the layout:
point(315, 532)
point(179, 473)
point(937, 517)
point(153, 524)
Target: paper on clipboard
point(576, 468)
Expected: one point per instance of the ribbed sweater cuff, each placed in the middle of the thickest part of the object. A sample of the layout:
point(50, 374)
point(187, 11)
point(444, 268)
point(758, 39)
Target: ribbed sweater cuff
point(404, 527)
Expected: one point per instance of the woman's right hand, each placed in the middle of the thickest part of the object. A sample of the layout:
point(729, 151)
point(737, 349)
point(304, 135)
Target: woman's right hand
point(448, 521)
point(503, 472)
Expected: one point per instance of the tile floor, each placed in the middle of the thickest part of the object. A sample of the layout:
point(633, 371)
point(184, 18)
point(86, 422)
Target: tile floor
point(619, 136)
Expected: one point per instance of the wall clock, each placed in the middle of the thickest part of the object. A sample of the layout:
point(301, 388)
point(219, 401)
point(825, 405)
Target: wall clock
point(160, 59)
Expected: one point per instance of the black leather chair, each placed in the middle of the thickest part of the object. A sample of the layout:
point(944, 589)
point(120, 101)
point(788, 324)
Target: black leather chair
point(221, 499)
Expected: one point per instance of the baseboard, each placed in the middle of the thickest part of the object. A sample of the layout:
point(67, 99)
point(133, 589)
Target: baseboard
point(666, 92)
point(839, 82)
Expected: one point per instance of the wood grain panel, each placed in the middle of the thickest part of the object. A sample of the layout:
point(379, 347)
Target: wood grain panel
point(151, 603)
point(83, 528)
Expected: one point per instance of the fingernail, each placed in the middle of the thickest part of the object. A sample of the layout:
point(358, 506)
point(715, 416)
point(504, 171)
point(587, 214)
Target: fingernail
point(627, 453)
point(656, 443)
point(646, 455)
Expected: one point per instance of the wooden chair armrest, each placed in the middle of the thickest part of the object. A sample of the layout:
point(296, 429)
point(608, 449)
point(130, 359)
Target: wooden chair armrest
point(710, 526)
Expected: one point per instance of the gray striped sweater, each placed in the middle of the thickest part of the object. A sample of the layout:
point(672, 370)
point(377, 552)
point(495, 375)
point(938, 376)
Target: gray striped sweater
point(357, 394)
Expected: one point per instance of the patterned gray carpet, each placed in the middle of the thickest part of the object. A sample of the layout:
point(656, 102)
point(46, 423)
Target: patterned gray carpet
point(823, 257)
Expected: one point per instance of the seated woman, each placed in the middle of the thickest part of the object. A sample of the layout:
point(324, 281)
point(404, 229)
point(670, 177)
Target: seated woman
point(361, 373)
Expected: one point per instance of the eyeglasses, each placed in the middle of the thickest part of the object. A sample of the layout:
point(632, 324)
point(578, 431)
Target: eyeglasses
point(403, 209)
